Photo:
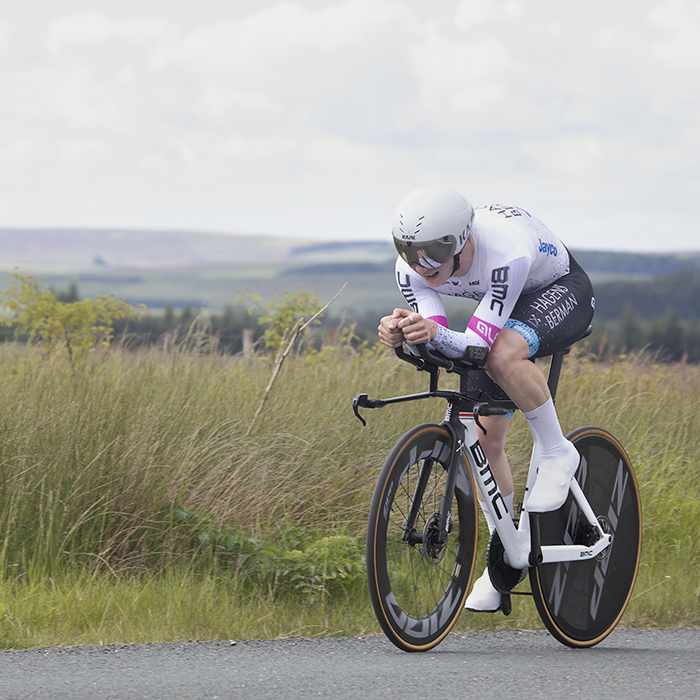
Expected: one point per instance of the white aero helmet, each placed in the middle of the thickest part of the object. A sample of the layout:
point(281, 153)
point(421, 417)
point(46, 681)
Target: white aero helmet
point(431, 226)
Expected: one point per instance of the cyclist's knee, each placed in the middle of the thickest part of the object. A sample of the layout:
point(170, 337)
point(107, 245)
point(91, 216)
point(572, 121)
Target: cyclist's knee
point(509, 349)
point(494, 440)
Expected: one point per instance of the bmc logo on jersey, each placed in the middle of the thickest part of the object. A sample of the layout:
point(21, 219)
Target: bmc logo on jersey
point(548, 248)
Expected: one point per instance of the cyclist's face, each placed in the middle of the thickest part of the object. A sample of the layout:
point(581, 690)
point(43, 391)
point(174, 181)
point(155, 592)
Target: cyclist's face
point(435, 276)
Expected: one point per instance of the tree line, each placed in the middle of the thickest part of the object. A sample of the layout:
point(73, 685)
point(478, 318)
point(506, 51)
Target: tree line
point(661, 316)
point(651, 299)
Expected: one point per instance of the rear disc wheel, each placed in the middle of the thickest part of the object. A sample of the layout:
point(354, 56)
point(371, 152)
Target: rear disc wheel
point(581, 602)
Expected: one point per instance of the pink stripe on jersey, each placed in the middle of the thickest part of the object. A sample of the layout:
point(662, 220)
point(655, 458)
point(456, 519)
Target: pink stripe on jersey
point(442, 320)
point(484, 330)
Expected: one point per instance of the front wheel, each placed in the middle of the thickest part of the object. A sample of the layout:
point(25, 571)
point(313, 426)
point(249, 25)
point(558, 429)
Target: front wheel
point(418, 583)
point(580, 602)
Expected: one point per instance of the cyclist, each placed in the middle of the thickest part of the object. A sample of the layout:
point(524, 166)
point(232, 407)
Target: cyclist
point(534, 299)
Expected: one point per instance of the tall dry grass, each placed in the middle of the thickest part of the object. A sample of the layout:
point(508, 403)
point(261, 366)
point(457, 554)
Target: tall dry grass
point(654, 410)
point(94, 462)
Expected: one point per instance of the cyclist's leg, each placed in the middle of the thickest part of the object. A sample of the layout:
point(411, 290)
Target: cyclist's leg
point(484, 597)
point(541, 324)
point(493, 441)
point(510, 367)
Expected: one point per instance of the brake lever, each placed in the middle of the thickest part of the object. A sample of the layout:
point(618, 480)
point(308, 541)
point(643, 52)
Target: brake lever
point(363, 401)
point(485, 409)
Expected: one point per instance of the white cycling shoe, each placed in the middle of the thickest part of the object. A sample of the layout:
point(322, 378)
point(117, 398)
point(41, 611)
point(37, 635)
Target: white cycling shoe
point(552, 483)
point(484, 597)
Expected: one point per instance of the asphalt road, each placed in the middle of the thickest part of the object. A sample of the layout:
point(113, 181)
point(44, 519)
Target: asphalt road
point(635, 664)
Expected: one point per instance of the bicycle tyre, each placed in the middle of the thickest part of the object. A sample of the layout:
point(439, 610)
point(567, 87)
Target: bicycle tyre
point(581, 602)
point(418, 593)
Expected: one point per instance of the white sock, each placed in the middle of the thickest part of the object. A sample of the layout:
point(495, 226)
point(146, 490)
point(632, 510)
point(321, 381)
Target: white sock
point(508, 500)
point(546, 431)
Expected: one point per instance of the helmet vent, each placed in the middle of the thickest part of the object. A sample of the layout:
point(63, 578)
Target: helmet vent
point(419, 223)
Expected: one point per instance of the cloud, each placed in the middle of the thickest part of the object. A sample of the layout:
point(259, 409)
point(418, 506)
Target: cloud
point(269, 48)
point(470, 14)
point(458, 79)
point(678, 25)
point(92, 29)
point(275, 115)
point(290, 66)
point(575, 156)
point(4, 35)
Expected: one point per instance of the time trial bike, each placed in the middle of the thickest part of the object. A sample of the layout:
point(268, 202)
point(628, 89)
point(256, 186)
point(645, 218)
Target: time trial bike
point(582, 559)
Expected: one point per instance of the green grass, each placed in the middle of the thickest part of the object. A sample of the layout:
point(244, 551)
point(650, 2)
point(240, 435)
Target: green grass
point(174, 605)
point(98, 464)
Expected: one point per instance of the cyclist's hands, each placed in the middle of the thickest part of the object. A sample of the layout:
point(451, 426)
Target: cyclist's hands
point(389, 332)
point(406, 326)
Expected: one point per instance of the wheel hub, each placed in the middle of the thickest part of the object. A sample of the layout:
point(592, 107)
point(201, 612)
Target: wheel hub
point(433, 550)
point(607, 528)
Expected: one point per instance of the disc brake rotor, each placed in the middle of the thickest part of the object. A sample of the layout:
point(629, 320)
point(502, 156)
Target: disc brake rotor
point(433, 551)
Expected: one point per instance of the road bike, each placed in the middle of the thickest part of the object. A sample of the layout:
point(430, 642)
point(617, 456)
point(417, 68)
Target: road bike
point(582, 559)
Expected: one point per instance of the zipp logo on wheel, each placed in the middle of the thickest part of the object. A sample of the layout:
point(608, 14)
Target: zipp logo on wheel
point(613, 517)
point(425, 626)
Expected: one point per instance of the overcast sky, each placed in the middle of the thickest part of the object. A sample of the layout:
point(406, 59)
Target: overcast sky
point(314, 118)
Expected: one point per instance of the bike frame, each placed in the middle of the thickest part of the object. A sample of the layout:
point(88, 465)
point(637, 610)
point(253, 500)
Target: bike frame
point(521, 543)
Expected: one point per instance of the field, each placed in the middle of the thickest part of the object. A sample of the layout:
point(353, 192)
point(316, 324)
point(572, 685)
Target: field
point(198, 269)
point(139, 502)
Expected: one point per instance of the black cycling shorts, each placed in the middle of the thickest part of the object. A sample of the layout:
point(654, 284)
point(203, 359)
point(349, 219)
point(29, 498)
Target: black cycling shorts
point(556, 316)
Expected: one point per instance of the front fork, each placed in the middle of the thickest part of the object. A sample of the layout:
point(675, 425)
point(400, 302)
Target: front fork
point(410, 534)
point(461, 428)
point(443, 521)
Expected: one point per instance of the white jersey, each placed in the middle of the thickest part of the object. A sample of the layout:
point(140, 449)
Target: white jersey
point(514, 254)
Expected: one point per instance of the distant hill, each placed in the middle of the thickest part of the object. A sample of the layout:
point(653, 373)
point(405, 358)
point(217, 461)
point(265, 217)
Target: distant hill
point(679, 293)
point(636, 264)
point(82, 250)
point(190, 268)
point(79, 250)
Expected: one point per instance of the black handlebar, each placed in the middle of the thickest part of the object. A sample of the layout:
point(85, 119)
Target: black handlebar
point(431, 361)
point(473, 358)
point(475, 386)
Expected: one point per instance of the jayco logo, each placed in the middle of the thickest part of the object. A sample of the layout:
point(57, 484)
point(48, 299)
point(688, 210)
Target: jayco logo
point(548, 248)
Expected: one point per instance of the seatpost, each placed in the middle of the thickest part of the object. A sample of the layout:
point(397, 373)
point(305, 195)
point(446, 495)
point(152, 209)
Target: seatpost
point(555, 371)
point(556, 363)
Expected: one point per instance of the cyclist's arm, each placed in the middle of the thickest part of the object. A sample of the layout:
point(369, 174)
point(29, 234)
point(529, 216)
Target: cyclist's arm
point(506, 285)
point(419, 297)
